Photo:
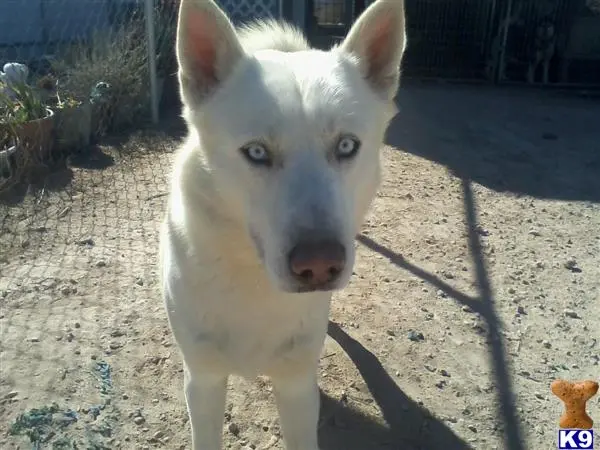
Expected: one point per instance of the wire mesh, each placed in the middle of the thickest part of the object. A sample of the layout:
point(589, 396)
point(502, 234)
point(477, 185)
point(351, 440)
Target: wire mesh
point(530, 32)
point(246, 10)
point(82, 184)
point(330, 12)
point(533, 41)
point(74, 71)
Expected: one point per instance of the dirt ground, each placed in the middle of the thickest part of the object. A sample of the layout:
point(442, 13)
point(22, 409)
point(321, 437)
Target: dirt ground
point(477, 284)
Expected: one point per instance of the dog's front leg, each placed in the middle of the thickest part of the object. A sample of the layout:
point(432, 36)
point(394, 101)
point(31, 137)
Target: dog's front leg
point(298, 404)
point(205, 398)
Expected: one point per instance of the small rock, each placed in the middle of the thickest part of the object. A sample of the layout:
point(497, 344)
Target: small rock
point(11, 394)
point(546, 344)
point(86, 241)
point(482, 231)
point(444, 373)
point(234, 428)
point(534, 232)
point(473, 428)
point(572, 314)
point(521, 310)
point(274, 439)
point(115, 345)
point(540, 396)
point(101, 263)
point(138, 420)
point(441, 293)
point(139, 281)
point(391, 332)
point(34, 339)
point(66, 290)
point(158, 435)
point(125, 397)
point(415, 336)
point(77, 325)
point(571, 264)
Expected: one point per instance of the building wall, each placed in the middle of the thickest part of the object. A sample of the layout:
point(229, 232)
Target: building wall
point(28, 22)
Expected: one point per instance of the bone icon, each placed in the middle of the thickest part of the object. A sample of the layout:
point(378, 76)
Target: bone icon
point(575, 396)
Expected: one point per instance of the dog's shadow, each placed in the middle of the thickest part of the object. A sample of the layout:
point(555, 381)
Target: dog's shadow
point(409, 425)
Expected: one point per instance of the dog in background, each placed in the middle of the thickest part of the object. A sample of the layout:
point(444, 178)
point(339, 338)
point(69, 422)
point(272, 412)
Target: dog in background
point(267, 195)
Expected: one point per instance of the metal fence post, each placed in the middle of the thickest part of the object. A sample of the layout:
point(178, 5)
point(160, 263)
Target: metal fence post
point(151, 41)
point(500, 70)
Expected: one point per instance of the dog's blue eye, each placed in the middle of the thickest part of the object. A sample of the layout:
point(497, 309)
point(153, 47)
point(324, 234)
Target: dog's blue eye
point(347, 147)
point(257, 154)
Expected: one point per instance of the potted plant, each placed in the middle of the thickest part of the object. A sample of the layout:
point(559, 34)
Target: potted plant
point(26, 123)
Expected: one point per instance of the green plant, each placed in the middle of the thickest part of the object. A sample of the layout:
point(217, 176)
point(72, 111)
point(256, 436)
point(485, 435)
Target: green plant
point(23, 106)
point(66, 101)
point(26, 104)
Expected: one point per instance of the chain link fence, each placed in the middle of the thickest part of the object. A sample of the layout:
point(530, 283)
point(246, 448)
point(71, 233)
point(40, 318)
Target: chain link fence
point(82, 190)
point(547, 42)
point(76, 70)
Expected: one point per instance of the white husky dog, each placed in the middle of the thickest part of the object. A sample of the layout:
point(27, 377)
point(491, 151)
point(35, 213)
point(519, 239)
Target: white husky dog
point(267, 195)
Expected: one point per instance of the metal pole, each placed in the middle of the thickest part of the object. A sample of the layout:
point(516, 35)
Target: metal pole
point(502, 61)
point(150, 37)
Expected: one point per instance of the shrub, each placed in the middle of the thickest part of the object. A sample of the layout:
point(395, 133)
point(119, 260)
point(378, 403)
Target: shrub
point(118, 59)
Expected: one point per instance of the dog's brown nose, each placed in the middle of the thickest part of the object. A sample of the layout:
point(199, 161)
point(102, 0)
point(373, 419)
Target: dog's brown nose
point(317, 263)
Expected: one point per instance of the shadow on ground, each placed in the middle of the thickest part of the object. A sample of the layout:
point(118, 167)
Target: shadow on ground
point(539, 143)
point(93, 159)
point(57, 175)
point(484, 304)
point(36, 182)
point(409, 425)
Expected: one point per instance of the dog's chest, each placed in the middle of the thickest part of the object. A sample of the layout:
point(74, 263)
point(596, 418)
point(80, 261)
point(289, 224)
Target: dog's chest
point(238, 331)
point(250, 351)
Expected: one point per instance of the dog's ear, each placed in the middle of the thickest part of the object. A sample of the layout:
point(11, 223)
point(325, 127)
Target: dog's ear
point(378, 39)
point(207, 48)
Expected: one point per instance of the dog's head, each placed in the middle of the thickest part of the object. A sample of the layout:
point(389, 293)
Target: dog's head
point(292, 136)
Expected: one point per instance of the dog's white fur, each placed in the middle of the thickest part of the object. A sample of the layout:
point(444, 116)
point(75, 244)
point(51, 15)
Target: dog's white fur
point(232, 304)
